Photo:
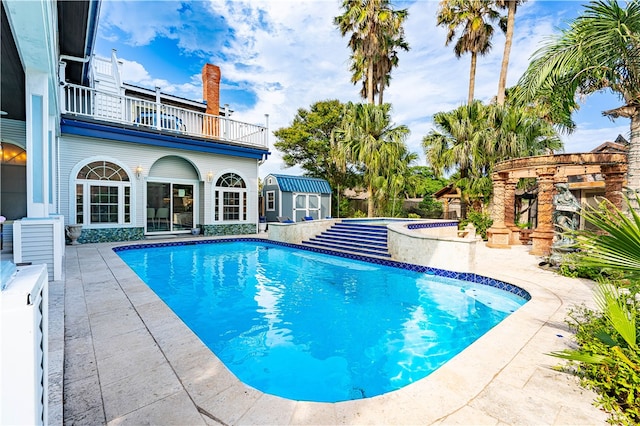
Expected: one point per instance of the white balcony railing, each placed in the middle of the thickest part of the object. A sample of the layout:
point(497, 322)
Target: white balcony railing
point(100, 105)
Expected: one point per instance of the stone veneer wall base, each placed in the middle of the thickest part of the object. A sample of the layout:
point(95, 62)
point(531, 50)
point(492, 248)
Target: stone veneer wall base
point(109, 235)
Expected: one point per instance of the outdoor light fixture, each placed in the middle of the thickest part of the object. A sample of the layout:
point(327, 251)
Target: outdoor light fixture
point(139, 170)
point(210, 176)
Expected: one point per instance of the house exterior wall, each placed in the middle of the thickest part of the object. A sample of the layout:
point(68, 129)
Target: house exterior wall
point(77, 151)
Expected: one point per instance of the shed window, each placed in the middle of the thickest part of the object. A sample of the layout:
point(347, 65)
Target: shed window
point(271, 201)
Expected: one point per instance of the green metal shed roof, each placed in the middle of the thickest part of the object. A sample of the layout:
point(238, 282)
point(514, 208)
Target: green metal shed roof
point(302, 184)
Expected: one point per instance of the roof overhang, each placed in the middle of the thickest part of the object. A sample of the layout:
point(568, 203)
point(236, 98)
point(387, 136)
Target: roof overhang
point(137, 136)
point(33, 34)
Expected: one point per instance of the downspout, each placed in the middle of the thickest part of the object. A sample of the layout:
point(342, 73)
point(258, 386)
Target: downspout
point(260, 163)
point(75, 58)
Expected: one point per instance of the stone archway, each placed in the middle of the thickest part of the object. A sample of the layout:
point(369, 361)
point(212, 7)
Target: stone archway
point(548, 170)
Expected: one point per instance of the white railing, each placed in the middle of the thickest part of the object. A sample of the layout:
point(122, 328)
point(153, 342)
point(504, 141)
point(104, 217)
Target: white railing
point(91, 103)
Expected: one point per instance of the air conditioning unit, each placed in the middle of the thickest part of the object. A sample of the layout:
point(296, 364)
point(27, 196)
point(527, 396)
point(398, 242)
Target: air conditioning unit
point(23, 346)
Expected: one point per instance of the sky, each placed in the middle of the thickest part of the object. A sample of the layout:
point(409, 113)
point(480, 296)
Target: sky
point(277, 56)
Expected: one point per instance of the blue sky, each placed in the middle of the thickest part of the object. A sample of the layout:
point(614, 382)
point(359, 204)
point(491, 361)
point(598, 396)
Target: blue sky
point(280, 55)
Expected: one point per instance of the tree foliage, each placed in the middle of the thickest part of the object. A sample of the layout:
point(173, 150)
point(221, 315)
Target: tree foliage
point(473, 137)
point(307, 143)
point(608, 355)
point(377, 35)
point(368, 143)
point(472, 20)
point(599, 51)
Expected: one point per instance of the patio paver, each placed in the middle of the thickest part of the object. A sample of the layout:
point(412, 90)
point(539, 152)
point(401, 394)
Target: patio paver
point(129, 360)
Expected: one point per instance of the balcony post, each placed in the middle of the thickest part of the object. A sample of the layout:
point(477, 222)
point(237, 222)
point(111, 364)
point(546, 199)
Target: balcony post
point(265, 138)
point(225, 123)
point(158, 110)
point(62, 77)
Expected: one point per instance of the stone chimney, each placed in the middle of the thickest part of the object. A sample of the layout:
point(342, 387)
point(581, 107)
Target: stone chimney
point(211, 88)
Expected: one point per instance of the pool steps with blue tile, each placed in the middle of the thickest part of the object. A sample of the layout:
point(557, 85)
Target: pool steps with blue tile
point(370, 240)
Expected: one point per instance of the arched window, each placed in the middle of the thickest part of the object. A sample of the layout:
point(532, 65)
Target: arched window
point(230, 198)
point(103, 194)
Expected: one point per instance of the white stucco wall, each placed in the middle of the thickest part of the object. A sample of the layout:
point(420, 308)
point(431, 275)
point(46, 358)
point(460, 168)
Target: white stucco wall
point(75, 150)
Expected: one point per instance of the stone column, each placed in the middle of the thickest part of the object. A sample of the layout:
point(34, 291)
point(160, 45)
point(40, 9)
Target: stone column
point(542, 236)
point(614, 176)
point(509, 210)
point(498, 234)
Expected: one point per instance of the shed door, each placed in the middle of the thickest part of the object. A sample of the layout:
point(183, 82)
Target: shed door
point(306, 205)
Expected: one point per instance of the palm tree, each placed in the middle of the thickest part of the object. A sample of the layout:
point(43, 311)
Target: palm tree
point(599, 51)
point(455, 144)
point(474, 17)
point(371, 143)
point(473, 138)
point(397, 179)
point(376, 35)
point(519, 133)
point(511, 6)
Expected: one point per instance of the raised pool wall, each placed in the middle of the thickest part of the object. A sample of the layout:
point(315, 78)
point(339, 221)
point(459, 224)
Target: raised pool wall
point(433, 243)
point(296, 233)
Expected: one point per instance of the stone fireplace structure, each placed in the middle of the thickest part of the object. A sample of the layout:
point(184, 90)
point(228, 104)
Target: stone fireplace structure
point(548, 170)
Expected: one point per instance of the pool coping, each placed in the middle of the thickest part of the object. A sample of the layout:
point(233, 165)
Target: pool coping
point(195, 387)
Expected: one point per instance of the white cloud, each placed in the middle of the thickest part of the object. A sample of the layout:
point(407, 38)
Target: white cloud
point(291, 55)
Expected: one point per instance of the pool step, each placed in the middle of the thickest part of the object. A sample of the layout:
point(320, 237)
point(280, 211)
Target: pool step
point(368, 240)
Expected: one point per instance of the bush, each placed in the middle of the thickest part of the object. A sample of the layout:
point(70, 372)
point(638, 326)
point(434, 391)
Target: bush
point(359, 214)
point(617, 381)
point(482, 222)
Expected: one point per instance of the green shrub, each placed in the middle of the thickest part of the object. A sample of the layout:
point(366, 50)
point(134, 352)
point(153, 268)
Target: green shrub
point(413, 216)
point(359, 214)
point(616, 380)
point(482, 222)
point(608, 353)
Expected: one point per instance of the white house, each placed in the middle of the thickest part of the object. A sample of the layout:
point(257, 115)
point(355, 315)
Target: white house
point(80, 146)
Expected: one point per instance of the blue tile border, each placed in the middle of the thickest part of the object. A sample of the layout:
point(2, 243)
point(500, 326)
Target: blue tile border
point(464, 276)
point(432, 225)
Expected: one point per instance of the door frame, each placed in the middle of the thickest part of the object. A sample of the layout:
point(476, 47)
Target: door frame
point(171, 182)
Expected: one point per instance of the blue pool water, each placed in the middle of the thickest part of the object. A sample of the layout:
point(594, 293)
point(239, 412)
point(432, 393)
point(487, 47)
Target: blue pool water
point(315, 327)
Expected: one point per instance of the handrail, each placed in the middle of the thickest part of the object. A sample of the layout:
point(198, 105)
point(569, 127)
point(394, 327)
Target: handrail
point(100, 105)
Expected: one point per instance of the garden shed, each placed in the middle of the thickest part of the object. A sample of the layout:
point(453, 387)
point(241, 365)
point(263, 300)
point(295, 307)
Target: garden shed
point(297, 198)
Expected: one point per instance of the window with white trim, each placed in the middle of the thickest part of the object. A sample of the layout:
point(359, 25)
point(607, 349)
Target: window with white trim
point(103, 195)
point(271, 201)
point(230, 198)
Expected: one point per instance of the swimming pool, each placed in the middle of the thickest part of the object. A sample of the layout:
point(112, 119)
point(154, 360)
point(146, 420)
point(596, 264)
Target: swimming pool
point(314, 327)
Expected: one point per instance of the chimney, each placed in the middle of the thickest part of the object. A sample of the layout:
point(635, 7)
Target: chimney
point(211, 88)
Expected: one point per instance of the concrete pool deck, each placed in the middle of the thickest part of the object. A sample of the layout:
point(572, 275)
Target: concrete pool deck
point(128, 359)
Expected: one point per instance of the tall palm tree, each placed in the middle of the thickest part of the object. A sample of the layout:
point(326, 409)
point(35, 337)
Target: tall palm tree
point(511, 6)
point(599, 51)
point(368, 140)
point(376, 35)
point(474, 18)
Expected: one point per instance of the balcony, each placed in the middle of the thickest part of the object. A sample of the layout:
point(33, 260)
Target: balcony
point(134, 112)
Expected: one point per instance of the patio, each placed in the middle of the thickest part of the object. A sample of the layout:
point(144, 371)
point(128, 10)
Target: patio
point(129, 360)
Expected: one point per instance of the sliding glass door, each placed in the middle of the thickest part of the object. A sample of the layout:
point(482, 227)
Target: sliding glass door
point(170, 207)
